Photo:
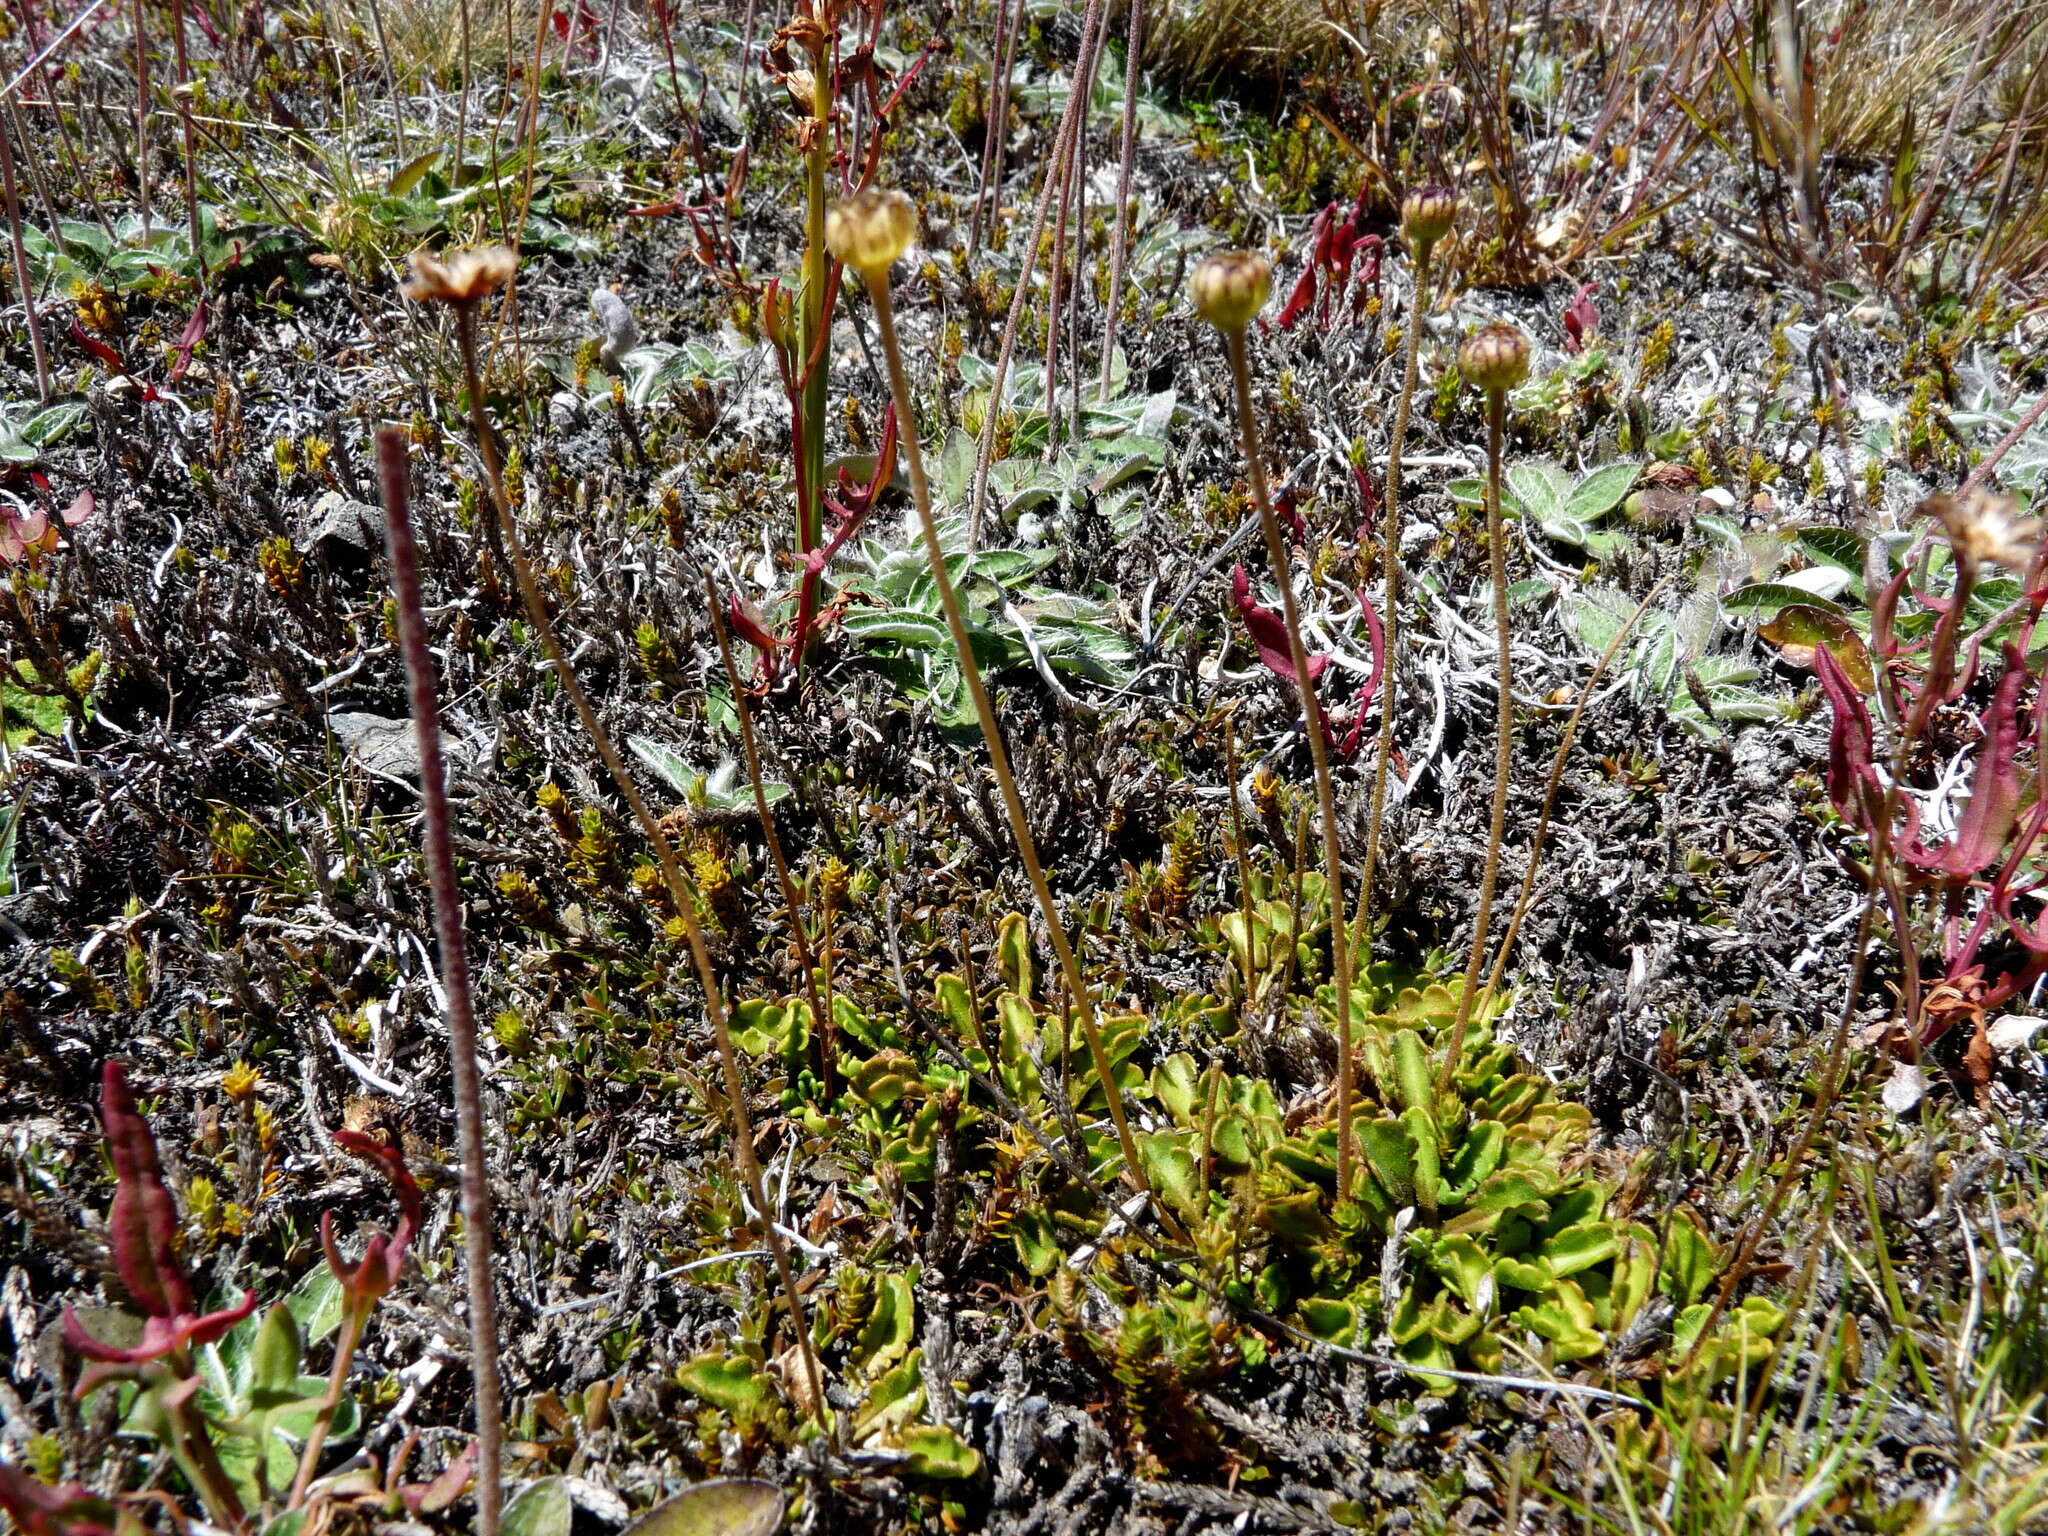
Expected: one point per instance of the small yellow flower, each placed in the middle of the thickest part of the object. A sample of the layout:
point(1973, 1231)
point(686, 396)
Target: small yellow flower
point(460, 277)
point(1229, 288)
point(870, 229)
point(240, 1081)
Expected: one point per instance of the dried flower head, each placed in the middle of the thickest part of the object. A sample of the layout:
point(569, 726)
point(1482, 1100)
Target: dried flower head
point(1983, 528)
point(460, 277)
point(1427, 215)
point(1495, 357)
point(1229, 288)
point(870, 229)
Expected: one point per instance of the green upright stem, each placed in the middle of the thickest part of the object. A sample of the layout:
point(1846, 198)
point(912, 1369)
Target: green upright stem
point(195, 1454)
point(353, 1318)
point(1503, 741)
point(817, 350)
point(1390, 602)
point(1319, 753)
point(991, 735)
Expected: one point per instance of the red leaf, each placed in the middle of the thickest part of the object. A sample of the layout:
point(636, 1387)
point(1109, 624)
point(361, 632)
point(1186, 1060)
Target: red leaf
point(37, 1509)
point(1369, 495)
point(190, 337)
point(1362, 702)
point(1268, 633)
point(1581, 319)
point(142, 1224)
point(82, 506)
point(383, 1257)
point(740, 614)
point(1850, 769)
point(98, 350)
point(1987, 821)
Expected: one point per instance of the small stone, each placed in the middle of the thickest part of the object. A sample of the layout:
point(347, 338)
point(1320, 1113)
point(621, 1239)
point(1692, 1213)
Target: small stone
point(336, 525)
point(381, 745)
point(1904, 1090)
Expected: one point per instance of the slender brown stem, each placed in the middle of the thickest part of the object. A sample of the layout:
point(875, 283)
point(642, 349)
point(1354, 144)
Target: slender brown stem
point(462, 95)
point(21, 272)
point(791, 902)
point(184, 100)
point(991, 734)
point(1503, 740)
point(1390, 600)
point(1550, 788)
point(353, 1317)
point(1127, 151)
point(1318, 746)
point(2005, 444)
point(142, 116)
point(680, 889)
point(1053, 186)
point(816, 316)
point(447, 894)
point(1795, 1159)
point(1009, 19)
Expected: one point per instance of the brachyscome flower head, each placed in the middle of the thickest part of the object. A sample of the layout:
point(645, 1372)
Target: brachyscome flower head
point(1229, 288)
point(1427, 215)
point(1495, 357)
point(870, 229)
point(460, 277)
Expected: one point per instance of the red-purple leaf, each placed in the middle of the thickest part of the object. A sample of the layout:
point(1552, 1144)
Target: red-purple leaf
point(82, 506)
point(1987, 821)
point(383, 1257)
point(190, 337)
point(37, 1509)
point(1581, 319)
point(142, 1224)
point(1355, 737)
point(99, 351)
point(1268, 633)
point(1850, 768)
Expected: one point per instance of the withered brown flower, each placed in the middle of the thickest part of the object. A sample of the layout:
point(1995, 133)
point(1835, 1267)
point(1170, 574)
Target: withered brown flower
point(460, 277)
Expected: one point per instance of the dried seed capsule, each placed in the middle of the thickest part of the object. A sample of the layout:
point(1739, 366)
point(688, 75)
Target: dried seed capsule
point(1427, 215)
point(1495, 357)
point(870, 229)
point(1229, 288)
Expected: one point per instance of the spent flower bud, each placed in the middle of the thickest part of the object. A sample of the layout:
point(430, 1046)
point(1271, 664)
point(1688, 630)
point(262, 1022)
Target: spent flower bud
point(1495, 357)
point(1229, 288)
point(460, 277)
point(870, 229)
point(1427, 215)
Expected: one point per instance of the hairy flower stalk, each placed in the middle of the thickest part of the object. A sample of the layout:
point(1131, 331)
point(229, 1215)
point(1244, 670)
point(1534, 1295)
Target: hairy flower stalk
point(447, 894)
point(1426, 217)
point(463, 296)
point(1228, 290)
point(868, 231)
point(1496, 358)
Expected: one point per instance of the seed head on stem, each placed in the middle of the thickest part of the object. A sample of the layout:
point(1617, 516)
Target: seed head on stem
point(461, 281)
point(868, 232)
point(1496, 359)
point(1427, 214)
point(1228, 290)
